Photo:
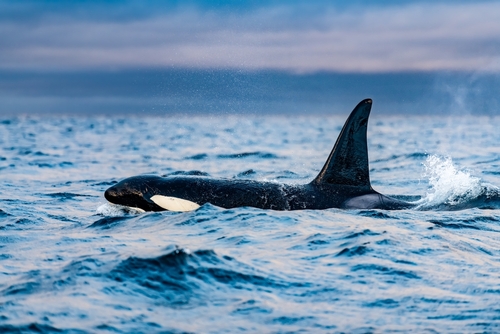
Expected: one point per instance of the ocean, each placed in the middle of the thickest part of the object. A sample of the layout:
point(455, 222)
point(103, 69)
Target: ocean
point(72, 263)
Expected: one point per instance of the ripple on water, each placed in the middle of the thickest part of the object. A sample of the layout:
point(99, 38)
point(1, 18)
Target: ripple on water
point(258, 155)
point(66, 264)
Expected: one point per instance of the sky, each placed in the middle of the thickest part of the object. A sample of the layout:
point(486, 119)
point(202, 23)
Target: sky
point(302, 38)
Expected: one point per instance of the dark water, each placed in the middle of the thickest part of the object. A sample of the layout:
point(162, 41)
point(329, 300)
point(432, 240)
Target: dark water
point(71, 263)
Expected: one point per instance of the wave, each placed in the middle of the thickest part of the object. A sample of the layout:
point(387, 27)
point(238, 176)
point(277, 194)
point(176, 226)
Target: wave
point(451, 188)
point(261, 155)
point(409, 156)
point(187, 173)
point(177, 278)
point(181, 277)
point(34, 328)
point(66, 195)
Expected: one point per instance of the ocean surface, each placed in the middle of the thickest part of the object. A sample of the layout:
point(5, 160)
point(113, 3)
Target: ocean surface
point(72, 263)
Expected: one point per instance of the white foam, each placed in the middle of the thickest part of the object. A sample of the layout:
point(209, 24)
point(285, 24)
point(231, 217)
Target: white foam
point(449, 185)
point(113, 210)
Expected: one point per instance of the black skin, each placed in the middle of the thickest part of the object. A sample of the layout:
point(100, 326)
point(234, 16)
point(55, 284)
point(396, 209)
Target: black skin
point(343, 182)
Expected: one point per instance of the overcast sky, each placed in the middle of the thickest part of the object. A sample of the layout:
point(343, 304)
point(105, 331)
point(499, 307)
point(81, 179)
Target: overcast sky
point(186, 56)
point(297, 36)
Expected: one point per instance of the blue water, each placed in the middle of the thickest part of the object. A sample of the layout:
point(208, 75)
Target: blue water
point(72, 263)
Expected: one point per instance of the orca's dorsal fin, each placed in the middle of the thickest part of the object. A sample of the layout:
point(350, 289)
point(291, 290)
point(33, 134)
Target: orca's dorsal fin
point(348, 161)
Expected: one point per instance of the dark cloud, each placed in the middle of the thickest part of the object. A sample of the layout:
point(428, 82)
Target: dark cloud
point(246, 56)
point(279, 35)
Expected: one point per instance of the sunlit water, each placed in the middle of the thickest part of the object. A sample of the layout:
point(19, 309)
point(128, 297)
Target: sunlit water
point(71, 262)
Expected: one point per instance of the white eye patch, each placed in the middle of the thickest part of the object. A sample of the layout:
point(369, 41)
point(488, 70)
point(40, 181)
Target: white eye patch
point(174, 203)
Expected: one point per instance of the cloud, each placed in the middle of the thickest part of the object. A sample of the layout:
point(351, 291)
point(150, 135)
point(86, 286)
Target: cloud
point(299, 38)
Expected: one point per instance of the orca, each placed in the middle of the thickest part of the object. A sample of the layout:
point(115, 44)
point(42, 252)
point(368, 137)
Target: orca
point(343, 182)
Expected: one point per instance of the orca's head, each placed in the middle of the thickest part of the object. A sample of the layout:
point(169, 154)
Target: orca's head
point(135, 192)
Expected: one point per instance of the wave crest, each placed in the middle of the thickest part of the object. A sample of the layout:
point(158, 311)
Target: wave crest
point(451, 188)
